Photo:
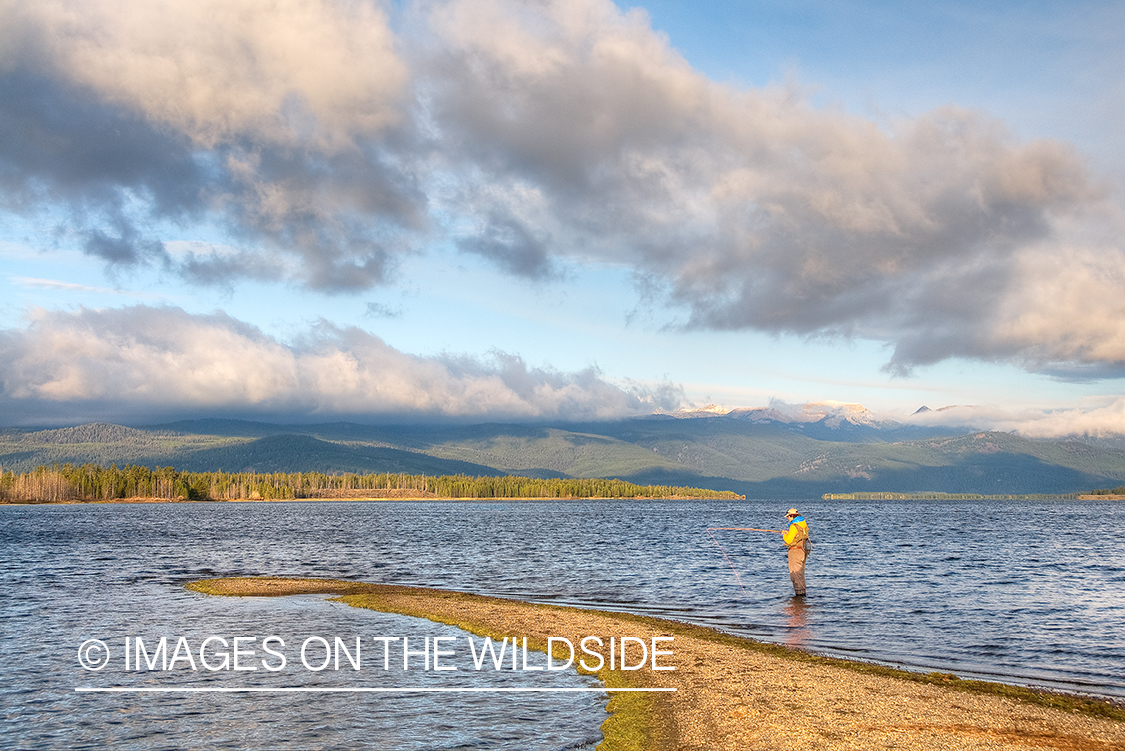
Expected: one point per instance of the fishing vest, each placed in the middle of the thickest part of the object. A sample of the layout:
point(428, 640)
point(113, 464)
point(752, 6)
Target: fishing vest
point(797, 533)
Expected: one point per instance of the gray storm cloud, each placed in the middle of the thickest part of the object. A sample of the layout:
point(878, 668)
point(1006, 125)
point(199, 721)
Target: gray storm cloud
point(329, 144)
point(140, 362)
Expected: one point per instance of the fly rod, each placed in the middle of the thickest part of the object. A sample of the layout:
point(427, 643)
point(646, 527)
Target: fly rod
point(711, 531)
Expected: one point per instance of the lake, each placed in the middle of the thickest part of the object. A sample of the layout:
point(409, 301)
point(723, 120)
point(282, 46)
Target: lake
point(1023, 592)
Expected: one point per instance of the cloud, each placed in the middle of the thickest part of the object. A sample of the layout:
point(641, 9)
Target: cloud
point(328, 145)
point(146, 363)
point(303, 73)
point(274, 120)
point(755, 210)
point(27, 281)
point(1103, 419)
point(379, 310)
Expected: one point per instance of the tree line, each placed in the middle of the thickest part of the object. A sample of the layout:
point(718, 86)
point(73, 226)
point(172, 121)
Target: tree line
point(93, 482)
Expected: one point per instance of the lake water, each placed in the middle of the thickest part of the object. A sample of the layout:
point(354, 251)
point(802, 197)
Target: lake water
point(1023, 592)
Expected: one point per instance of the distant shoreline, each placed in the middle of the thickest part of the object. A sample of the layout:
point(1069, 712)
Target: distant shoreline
point(939, 496)
point(735, 693)
point(386, 498)
point(347, 500)
point(93, 482)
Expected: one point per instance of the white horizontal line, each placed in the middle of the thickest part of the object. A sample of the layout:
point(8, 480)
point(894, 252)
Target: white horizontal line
point(357, 689)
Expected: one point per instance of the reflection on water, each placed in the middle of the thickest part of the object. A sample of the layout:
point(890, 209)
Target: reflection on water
point(1004, 590)
point(797, 613)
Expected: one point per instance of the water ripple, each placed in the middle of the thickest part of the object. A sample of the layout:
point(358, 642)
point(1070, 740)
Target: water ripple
point(1023, 592)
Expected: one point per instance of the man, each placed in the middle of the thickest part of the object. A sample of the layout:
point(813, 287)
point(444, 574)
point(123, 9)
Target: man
point(796, 538)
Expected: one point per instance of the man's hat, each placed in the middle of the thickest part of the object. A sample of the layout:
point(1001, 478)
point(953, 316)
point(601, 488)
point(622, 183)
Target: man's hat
point(792, 512)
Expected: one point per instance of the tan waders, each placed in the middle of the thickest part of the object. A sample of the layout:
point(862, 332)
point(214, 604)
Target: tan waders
point(797, 568)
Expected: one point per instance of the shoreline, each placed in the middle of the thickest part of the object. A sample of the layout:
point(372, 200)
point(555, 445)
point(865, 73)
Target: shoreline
point(363, 499)
point(736, 693)
point(385, 498)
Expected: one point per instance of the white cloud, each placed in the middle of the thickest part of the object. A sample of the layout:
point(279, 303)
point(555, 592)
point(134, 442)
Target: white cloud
point(1105, 418)
point(594, 138)
point(26, 281)
point(298, 72)
point(271, 119)
point(143, 362)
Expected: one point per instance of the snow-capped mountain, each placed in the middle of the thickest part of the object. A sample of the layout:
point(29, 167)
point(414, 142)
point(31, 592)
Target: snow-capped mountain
point(831, 413)
point(831, 420)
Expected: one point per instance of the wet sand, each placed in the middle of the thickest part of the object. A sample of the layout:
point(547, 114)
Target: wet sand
point(734, 693)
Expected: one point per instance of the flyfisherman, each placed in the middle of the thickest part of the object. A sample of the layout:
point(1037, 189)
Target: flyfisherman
point(796, 538)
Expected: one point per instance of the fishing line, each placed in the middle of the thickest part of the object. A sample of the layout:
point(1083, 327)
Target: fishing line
point(711, 531)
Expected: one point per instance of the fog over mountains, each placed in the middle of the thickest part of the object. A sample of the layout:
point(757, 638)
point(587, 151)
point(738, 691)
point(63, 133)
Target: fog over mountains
point(782, 451)
point(952, 419)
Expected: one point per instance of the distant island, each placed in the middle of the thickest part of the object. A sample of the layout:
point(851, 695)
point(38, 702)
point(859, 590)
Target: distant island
point(1105, 493)
point(92, 483)
point(937, 496)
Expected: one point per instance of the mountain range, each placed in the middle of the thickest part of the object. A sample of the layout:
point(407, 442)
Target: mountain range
point(765, 452)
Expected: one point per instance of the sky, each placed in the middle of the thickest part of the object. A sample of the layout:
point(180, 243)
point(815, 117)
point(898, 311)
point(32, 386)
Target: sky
point(481, 210)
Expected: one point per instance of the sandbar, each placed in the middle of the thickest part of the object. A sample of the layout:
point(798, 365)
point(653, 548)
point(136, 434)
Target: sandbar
point(736, 693)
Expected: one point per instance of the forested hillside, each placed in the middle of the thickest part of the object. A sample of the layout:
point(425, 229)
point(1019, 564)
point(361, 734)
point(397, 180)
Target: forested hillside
point(758, 458)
